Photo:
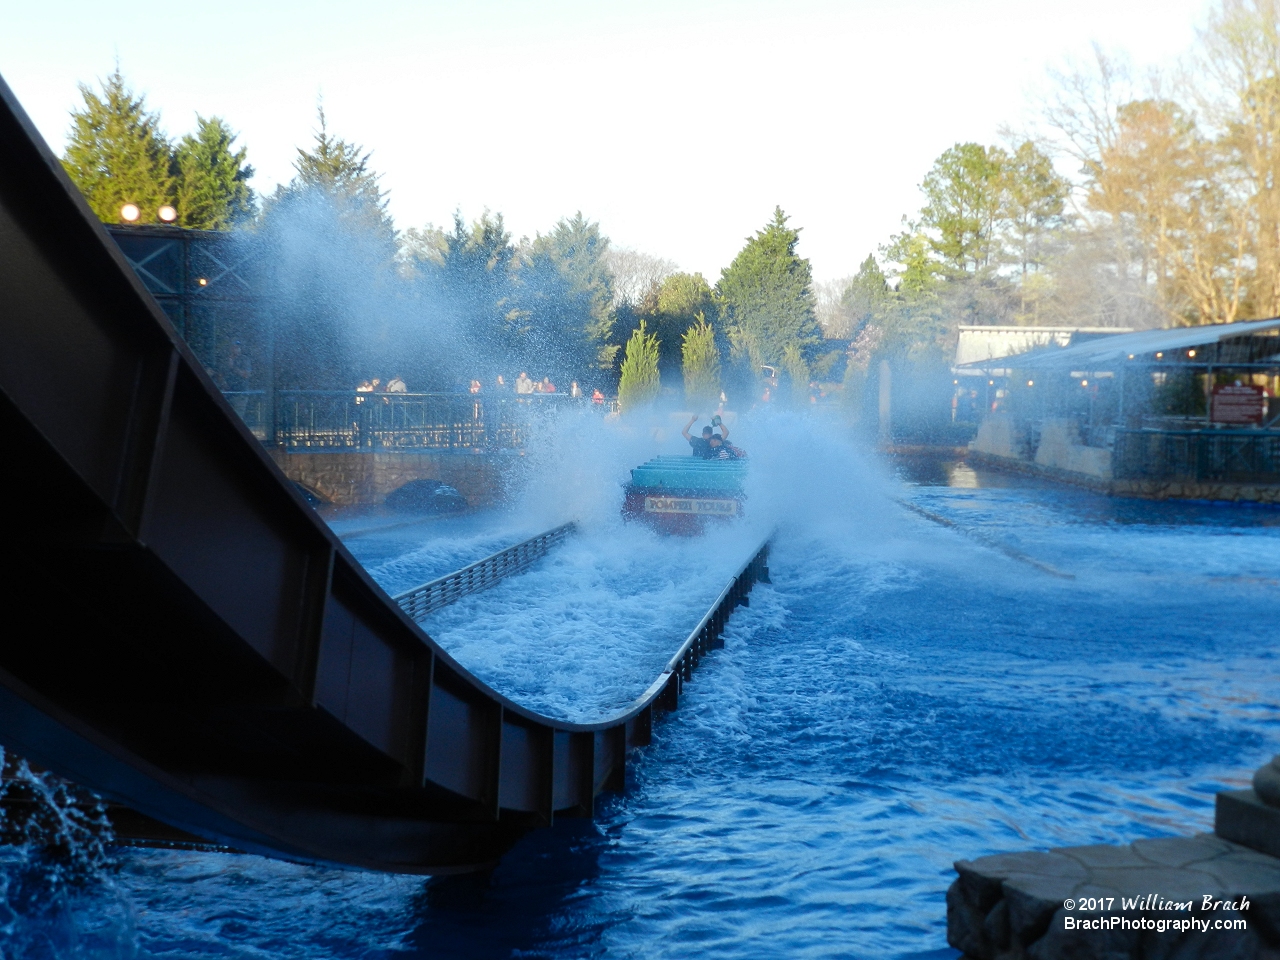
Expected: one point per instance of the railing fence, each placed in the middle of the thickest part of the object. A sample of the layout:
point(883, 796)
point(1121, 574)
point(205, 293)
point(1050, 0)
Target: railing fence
point(1198, 455)
point(481, 575)
point(344, 420)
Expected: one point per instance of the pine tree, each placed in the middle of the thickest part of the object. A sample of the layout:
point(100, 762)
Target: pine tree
point(796, 375)
point(701, 363)
point(965, 190)
point(765, 296)
point(332, 253)
point(117, 153)
point(865, 296)
point(336, 175)
point(569, 295)
point(213, 190)
point(475, 283)
point(674, 307)
point(640, 383)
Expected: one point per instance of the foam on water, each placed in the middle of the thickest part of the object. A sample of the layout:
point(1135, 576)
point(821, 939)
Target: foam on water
point(900, 697)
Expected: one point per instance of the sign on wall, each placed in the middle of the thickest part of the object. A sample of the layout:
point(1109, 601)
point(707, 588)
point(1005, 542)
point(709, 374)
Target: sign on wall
point(1238, 403)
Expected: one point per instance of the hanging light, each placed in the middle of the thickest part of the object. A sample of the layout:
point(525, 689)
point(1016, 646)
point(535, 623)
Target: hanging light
point(130, 213)
point(1084, 383)
point(1031, 383)
point(167, 213)
point(1191, 353)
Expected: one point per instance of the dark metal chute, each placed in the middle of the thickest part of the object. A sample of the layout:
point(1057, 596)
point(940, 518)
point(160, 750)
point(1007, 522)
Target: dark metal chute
point(186, 637)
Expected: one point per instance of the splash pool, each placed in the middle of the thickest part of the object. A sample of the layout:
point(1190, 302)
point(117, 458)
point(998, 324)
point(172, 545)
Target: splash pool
point(899, 698)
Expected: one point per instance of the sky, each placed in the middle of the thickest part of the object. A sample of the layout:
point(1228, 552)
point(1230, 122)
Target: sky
point(677, 124)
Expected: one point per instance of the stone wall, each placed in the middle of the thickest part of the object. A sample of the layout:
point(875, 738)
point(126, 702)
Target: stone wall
point(366, 478)
point(1222, 492)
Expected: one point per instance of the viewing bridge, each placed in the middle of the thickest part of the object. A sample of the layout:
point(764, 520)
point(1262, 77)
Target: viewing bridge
point(199, 645)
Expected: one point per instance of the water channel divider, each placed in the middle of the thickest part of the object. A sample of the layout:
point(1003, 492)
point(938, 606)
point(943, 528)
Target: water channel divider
point(1012, 552)
point(481, 575)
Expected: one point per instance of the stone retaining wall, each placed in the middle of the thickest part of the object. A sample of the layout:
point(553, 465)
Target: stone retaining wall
point(1144, 489)
point(366, 478)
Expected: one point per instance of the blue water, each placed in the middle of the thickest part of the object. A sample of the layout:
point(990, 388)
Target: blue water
point(901, 697)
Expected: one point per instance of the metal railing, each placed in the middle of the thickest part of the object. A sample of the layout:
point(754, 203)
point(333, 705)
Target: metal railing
point(481, 575)
point(1245, 456)
point(345, 420)
point(665, 691)
point(251, 407)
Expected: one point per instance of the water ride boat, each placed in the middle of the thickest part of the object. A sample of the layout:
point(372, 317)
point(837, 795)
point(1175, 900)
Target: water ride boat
point(681, 495)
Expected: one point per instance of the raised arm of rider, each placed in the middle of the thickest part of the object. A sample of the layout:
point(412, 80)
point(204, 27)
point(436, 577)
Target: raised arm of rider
point(685, 432)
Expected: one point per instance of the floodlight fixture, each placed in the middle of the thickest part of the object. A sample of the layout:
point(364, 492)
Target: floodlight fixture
point(203, 282)
point(167, 213)
point(1191, 353)
point(130, 213)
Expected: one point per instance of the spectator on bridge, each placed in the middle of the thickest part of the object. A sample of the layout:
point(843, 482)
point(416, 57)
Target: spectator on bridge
point(523, 383)
point(368, 386)
point(574, 389)
point(475, 386)
point(546, 386)
point(500, 386)
point(397, 385)
point(597, 396)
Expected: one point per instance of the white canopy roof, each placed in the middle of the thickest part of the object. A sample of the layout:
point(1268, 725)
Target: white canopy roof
point(1098, 354)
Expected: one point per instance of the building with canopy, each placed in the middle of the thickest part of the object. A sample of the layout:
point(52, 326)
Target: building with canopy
point(1156, 412)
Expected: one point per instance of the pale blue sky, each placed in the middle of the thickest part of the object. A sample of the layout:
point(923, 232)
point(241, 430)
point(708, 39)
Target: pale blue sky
point(677, 125)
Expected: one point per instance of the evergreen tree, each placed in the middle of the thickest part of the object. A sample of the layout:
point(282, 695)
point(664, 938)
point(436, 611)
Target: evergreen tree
point(213, 190)
point(336, 174)
point(964, 190)
point(865, 296)
point(676, 305)
point(765, 297)
point(117, 153)
point(795, 374)
point(684, 295)
point(640, 382)
point(332, 247)
point(570, 295)
point(701, 364)
point(1034, 200)
point(474, 283)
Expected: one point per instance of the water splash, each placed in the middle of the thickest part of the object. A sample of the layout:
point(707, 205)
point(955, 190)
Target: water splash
point(57, 899)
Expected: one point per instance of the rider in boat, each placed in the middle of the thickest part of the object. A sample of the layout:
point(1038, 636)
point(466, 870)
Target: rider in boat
point(701, 445)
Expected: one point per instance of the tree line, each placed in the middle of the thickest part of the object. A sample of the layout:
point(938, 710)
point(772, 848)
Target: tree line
point(1132, 202)
point(351, 295)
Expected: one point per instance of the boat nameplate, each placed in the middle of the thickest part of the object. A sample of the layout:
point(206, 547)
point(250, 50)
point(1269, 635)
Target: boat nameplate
point(698, 505)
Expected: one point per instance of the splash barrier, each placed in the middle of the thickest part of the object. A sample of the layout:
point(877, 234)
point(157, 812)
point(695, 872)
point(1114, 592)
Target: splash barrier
point(481, 575)
point(200, 646)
